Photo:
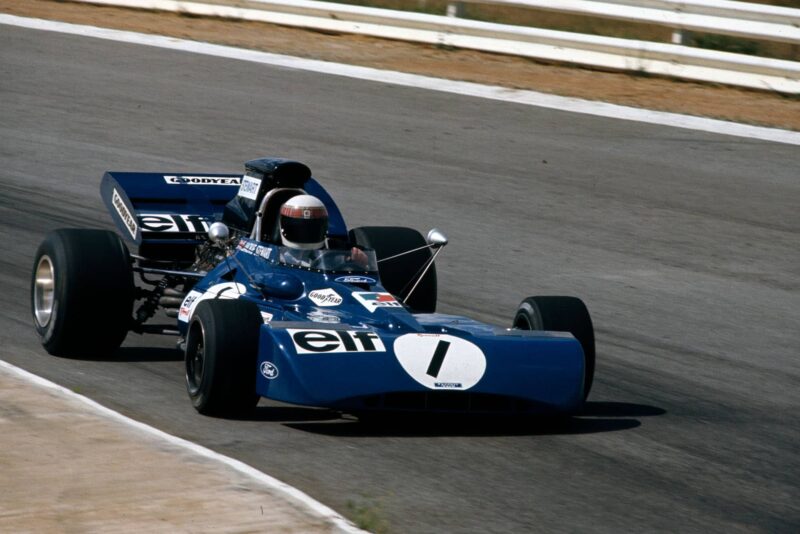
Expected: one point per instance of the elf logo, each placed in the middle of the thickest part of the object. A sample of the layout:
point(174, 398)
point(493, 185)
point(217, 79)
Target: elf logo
point(330, 341)
point(168, 222)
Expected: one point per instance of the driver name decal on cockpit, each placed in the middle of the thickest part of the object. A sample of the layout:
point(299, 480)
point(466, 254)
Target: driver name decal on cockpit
point(249, 187)
point(325, 297)
point(255, 249)
point(331, 341)
point(373, 301)
point(170, 222)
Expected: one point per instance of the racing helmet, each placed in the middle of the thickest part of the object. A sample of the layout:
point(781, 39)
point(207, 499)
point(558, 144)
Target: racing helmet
point(304, 222)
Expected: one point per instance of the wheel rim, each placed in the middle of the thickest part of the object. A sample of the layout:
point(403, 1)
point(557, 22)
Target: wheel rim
point(521, 322)
point(43, 292)
point(195, 360)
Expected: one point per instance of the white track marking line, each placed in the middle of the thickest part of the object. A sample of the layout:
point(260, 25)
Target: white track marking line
point(287, 491)
point(531, 98)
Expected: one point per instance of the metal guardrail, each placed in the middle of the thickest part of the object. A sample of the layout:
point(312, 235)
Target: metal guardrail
point(738, 19)
point(592, 50)
point(721, 8)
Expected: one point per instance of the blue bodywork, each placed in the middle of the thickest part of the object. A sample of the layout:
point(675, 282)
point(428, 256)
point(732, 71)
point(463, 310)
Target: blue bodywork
point(339, 339)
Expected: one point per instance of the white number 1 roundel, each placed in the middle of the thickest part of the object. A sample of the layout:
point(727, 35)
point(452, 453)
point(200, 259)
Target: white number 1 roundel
point(440, 361)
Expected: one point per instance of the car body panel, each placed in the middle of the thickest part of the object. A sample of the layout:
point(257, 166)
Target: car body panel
point(354, 354)
point(544, 370)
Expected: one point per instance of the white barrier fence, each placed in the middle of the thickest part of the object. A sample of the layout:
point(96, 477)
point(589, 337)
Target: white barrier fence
point(738, 19)
point(596, 51)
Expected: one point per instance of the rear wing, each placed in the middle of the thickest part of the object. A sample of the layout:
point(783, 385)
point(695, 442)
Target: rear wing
point(167, 208)
point(167, 215)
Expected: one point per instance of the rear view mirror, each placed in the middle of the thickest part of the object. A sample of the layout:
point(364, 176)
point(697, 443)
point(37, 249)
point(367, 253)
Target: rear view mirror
point(436, 238)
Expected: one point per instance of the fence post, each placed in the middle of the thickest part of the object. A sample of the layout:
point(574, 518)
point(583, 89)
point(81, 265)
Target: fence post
point(455, 9)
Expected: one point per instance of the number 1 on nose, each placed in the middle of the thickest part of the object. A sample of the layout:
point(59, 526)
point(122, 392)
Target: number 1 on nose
point(438, 358)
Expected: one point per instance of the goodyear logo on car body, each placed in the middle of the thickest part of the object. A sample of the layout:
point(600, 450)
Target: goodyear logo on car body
point(325, 297)
point(202, 180)
point(124, 214)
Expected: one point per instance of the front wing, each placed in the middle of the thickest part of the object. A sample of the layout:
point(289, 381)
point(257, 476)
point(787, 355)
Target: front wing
point(359, 369)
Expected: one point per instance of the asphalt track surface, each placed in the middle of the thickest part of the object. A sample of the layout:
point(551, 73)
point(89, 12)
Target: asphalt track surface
point(684, 245)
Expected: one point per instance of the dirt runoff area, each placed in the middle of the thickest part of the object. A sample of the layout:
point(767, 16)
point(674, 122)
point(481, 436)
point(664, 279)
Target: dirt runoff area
point(707, 100)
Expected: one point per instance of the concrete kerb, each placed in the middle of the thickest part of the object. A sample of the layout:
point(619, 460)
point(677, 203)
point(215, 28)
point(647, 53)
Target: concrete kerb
point(303, 501)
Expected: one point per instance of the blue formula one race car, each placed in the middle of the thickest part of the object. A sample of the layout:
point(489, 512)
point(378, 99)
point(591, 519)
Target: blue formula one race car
point(350, 325)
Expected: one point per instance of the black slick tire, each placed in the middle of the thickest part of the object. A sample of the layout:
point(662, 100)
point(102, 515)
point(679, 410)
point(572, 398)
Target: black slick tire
point(220, 358)
point(82, 292)
point(561, 314)
point(398, 274)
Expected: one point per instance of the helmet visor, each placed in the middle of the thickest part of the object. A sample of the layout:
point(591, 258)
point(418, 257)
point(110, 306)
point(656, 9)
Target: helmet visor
point(304, 231)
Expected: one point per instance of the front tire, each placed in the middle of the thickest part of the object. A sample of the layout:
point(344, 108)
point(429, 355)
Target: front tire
point(561, 314)
point(82, 292)
point(221, 355)
point(398, 274)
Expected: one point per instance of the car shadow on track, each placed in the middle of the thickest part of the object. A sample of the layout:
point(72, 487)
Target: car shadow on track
point(597, 417)
point(289, 414)
point(620, 409)
point(148, 354)
point(136, 354)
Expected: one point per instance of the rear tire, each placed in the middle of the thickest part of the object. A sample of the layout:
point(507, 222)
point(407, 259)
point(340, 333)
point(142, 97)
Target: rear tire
point(82, 292)
point(220, 358)
point(561, 314)
point(397, 274)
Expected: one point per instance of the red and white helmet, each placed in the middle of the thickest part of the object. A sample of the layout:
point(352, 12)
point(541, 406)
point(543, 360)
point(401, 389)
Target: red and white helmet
point(304, 222)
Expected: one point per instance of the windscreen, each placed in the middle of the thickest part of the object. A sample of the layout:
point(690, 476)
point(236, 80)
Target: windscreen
point(330, 261)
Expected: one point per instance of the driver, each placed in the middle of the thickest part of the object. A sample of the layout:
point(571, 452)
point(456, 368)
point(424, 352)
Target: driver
point(304, 224)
